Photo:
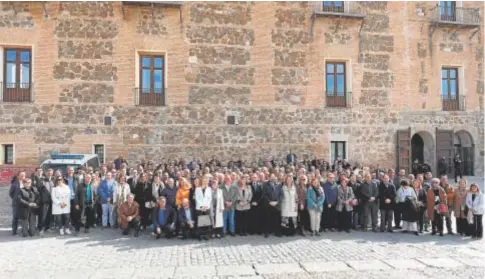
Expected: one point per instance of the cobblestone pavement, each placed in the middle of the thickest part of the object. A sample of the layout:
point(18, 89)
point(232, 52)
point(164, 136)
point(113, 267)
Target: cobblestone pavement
point(105, 254)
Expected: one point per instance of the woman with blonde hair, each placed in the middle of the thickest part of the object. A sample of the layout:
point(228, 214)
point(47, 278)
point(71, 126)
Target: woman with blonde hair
point(289, 207)
point(183, 192)
point(459, 205)
point(421, 202)
point(120, 195)
point(474, 202)
point(314, 199)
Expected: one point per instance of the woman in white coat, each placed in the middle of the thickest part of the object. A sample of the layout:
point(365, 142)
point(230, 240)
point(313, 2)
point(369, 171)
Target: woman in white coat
point(289, 207)
point(474, 202)
point(203, 202)
point(61, 205)
point(217, 209)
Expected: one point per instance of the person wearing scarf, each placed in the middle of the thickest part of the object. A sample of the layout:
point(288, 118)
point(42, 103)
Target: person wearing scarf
point(475, 201)
point(459, 204)
point(315, 198)
point(344, 207)
point(407, 199)
point(422, 202)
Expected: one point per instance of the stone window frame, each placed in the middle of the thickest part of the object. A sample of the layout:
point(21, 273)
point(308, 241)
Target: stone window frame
point(3, 153)
point(462, 90)
point(345, 146)
point(101, 160)
point(164, 53)
point(32, 63)
point(348, 74)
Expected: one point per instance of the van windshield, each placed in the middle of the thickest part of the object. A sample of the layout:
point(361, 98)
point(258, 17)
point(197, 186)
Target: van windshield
point(61, 167)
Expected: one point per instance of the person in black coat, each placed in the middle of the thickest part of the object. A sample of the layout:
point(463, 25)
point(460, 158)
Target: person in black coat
point(256, 213)
point(36, 178)
point(442, 167)
point(422, 202)
point(271, 197)
point(169, 193)
point(387, 197)
point(84, 200)
point(457, 166)
point(140, 192)
point(186, 219)
point(45, 202)
point(26, 207)
point(13, 194)
point(164, 219)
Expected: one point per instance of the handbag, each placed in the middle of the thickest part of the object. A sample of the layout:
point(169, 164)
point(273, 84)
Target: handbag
point(469, 217)
point(442, 209)
point(204, 221)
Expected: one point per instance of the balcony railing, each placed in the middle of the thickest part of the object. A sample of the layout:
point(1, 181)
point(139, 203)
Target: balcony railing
point(338, 100)
point(449, 15)
point(337, 9)
point(453, 103)
point(149, 97)
point(16, 92)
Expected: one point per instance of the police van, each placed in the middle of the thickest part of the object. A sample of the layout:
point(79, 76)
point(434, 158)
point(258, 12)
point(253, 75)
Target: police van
point(63, 161)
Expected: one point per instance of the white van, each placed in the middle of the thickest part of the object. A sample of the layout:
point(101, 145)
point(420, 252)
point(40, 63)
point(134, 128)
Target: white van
point(63, 161)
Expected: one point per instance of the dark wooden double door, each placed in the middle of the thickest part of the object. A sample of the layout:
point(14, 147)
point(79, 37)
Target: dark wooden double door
point(445, 148)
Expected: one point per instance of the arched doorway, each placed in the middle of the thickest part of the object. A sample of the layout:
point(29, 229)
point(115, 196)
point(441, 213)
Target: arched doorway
point(464, 146)
point(417, 147)
point(423, 148)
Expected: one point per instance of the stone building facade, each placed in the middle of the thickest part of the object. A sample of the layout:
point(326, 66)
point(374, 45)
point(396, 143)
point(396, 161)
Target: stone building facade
point(244, 80)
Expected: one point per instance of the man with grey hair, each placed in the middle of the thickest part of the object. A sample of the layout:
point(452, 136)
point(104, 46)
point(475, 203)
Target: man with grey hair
point(84, 201)
point(129, 216)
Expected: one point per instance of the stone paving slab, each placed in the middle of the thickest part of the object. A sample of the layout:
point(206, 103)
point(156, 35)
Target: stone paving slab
point(322, 266)
point(471, 252)
point(405, 264)
point(235, 270)
point(264, 269)
point(472, 262)
point(191, 270)
point(121, 272)
point(368, 265)
point(441, 262)
point(154, 272)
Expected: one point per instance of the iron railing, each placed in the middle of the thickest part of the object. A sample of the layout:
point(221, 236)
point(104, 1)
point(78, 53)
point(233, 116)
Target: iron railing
point(337, 8)
point(453, 103)
point(455, 15)
point(16, 92)
point(338, 100)
point(149, 97)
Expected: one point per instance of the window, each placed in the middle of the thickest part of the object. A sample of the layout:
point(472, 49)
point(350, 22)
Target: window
point(448, 10)
point(8, 154)
point(335, 84)
point(449, 83)
point(107, 120)
point(17, 75)
point(335, 81)
point(337, 150)
point(333, 6)
point(99, 150)
point(152, 80)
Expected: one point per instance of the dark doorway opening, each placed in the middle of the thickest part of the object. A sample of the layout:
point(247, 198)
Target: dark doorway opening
point(465, 147)
point(417, 148)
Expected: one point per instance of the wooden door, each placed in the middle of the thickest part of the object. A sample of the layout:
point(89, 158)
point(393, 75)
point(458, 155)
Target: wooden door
point(404, 150)
point(445, 148)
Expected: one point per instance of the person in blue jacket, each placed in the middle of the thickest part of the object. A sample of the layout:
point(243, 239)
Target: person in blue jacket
point(105, 192)
point(315, 198)
point(329, 216)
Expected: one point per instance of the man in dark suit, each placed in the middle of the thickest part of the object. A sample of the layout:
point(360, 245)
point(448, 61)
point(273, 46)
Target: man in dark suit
point(13, 193)
point(271, 198)
point(36, 177)
point(291, 158)
point(186, 219)
point(164, 219)
point(256, 212)
point(387, 196)
point(133, 180)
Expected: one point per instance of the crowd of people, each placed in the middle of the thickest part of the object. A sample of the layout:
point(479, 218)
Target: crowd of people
point(212, 200)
